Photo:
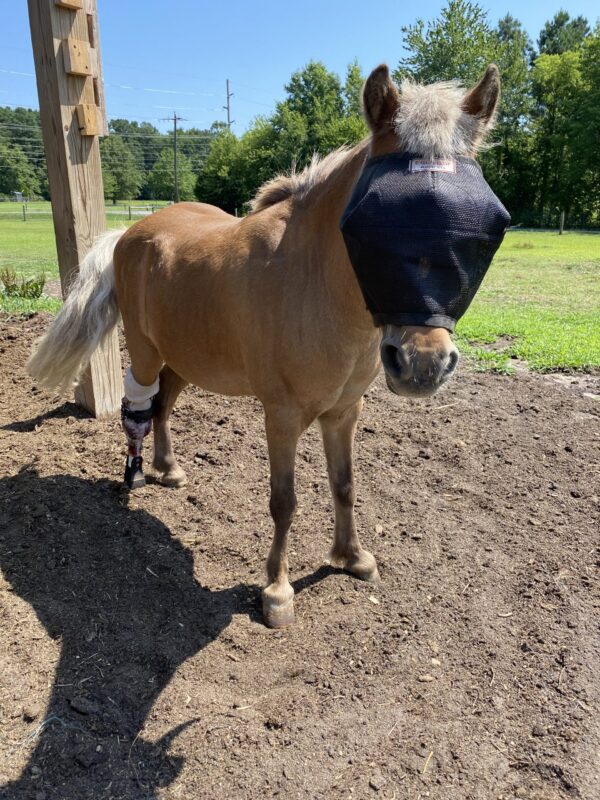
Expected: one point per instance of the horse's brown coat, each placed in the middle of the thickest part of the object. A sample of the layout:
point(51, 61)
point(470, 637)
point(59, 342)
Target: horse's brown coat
point(269, 305)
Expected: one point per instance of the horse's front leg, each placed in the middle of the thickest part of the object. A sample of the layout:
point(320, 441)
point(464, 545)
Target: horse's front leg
point(338, 428)
point(283, 431)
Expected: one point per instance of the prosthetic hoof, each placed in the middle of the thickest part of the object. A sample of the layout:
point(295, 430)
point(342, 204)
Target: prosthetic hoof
point(134, 474)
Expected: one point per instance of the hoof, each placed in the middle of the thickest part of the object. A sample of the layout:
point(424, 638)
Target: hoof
point(278, 616)
point(134, 474)
point(278, 607)
point(369, 577)
point(362, 566)
point(174, 479)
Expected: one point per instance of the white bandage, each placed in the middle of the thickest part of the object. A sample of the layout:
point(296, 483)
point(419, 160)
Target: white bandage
point(139, 396)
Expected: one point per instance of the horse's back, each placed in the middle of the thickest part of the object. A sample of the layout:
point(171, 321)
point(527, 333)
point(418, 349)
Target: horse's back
point(175, 287)
point(167, 241)
point(179, 223)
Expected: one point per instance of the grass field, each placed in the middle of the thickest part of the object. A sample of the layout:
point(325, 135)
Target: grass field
point(28, 246)
point(539, 303)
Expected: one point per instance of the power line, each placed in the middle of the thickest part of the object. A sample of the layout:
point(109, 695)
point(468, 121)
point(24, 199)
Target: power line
point(181, 134)
point(17, 125)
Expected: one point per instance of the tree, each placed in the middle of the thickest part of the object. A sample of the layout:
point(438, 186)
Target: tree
point(557, 86)
point(16, 173)
point(121, 176)
point(567, 131)
point(514, 52)
point(218, 182)
point(145, 142)
point(195, 143)
point(315, 94)
point(508, 164)
point(143, 139)
point(352, 90)
point(457, 45)
point(343, 131)
point(562, 33)
point(586, 130)
point(161, 180)
point(21, 127)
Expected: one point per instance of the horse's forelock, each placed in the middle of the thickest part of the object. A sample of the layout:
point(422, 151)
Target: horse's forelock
point(431, 120)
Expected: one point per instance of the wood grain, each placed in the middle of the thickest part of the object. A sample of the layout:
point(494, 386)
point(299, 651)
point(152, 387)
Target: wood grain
point(74, 176)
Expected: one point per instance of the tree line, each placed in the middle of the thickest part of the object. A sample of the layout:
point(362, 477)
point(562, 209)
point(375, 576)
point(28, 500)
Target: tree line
point(542, 159)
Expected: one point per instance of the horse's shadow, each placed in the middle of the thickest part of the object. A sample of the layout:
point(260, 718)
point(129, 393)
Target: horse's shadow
point(122, 595)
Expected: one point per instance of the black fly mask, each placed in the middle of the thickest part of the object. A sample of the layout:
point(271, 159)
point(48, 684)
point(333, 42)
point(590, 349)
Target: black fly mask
point(421, 235)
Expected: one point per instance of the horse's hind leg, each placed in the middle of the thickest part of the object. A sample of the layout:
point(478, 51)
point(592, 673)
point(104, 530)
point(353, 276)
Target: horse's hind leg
point(338, 428)
point(164, 462)
point(141, 385)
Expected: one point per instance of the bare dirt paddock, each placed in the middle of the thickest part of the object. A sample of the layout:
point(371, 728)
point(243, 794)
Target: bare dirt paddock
point(133, 661)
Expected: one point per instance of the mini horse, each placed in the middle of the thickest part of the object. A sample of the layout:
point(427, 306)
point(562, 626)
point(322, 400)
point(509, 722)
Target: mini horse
point(269, 305)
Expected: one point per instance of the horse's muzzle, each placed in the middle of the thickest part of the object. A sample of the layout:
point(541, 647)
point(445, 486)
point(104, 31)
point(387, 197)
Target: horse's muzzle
point(416, 368)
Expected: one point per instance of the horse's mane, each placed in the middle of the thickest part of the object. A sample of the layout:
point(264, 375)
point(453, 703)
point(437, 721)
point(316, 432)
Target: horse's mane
point(431, 121)
point(299, 184)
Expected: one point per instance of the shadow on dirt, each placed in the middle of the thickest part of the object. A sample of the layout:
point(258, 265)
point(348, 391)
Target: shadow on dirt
point(60, 412)
point(122, 596)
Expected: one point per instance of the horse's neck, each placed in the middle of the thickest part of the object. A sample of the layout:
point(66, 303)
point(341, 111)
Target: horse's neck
point(323, 215)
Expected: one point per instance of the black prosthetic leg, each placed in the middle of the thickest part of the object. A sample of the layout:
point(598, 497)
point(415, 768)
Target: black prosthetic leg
point(137, 425)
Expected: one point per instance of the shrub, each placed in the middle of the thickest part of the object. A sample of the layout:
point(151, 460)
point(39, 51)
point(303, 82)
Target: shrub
point(14, 286)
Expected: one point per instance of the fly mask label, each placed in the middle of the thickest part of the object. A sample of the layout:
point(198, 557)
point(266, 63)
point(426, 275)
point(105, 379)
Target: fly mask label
point(420, 241)
point(434, 165)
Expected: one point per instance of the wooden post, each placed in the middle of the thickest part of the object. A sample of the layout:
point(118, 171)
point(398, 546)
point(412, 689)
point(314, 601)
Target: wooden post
point(561, 224)
point(69, 103)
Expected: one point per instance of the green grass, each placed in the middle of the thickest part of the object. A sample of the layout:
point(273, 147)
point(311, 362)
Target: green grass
point(539, 303)
point(29, 247)
point(20, 306)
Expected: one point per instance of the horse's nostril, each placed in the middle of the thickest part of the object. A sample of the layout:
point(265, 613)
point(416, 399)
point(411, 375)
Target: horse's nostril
point(452, 362)
point(394, 360)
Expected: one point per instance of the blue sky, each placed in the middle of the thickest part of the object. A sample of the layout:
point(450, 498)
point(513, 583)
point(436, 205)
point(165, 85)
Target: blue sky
point(163, 56)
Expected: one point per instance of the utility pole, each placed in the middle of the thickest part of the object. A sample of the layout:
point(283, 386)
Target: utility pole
point(175, 119)
point(229, 95)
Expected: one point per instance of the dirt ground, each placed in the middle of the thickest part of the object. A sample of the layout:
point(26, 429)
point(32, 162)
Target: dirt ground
point(133, 660)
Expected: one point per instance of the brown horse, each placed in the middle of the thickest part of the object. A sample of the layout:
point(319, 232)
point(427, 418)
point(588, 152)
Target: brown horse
point(269, 305)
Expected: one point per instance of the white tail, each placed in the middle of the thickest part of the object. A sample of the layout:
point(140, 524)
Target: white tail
point(88, 314)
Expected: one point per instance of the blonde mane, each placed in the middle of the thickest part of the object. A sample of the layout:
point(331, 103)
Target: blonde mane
point(299, 184)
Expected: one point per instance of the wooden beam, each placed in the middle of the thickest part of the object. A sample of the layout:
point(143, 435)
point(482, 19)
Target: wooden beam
point(74, 176)
point(94, 39)
point(77, 57)
point(73, 5)
point(89, 119)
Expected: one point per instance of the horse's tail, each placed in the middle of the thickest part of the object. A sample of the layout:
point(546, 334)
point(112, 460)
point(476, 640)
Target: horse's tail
point(88, 314)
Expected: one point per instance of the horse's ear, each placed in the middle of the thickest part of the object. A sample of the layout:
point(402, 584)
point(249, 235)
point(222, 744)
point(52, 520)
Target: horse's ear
point(380, 98)
point(482, 100)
